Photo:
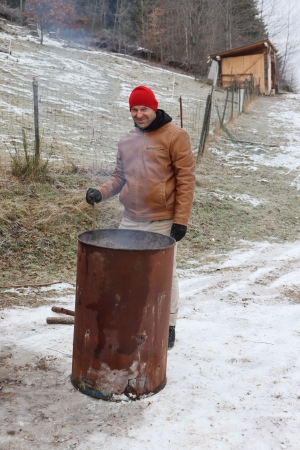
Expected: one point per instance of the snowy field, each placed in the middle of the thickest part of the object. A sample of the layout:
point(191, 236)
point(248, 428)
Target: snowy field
point(233, 378)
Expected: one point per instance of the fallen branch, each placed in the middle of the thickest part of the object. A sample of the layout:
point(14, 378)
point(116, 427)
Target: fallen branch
point(62, 353)
point(259, 342)
point(248, 142)
point(60, 310)
point(14, 286)
point(238, 141)
point(60, 320)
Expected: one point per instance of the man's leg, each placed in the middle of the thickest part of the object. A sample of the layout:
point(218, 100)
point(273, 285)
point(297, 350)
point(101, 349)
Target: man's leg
point(162, 227)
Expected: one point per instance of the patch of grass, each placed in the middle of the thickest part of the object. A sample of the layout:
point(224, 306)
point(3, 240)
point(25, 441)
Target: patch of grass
point(39, 225)
point(40, 222)
point(29, 297)
point(219, 223)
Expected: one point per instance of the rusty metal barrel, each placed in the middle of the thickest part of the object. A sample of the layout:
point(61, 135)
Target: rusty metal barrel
point(123, 295)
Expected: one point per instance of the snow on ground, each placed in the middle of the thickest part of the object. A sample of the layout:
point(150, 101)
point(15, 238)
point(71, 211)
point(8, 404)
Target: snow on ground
point(233, 375)
point(243, 197)
point(281, 131)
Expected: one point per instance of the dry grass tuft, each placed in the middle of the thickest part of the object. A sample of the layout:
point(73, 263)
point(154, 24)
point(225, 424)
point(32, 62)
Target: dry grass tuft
point(29, 166)
point(39, 224)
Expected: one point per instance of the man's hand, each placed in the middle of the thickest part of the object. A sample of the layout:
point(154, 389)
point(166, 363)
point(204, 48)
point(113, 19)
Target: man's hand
point(178, 231)
point(92, 196)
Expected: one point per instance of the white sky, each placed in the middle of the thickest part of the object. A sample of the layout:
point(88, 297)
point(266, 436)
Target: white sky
point(283, 20)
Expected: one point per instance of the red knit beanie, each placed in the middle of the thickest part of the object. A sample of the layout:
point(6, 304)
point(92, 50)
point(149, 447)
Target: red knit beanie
point(144, 96)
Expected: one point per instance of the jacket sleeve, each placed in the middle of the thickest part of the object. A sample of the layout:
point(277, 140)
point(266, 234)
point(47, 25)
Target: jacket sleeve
point(183, 165)
point(115, 182)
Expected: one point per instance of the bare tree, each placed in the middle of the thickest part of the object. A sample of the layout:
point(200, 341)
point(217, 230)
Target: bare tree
point(282, 21)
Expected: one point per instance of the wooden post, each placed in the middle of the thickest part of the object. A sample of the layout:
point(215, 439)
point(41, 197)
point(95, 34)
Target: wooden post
point(63, 320)
point(210, 98)
point(232, 99)
point(21, 11)
point(205, 126)
point(247, 92)
point(36, 118)
point(173, 86)
point(225, 106)
point(181, 119)
point(242, 98)
point(94, 217)
point(59, 309)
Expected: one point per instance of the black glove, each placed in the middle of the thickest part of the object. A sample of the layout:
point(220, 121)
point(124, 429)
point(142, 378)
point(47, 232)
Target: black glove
point(178, 231)
point(93, 195)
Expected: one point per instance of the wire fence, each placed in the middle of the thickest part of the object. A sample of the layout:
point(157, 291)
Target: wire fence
point(83, 128)
point(221, 110)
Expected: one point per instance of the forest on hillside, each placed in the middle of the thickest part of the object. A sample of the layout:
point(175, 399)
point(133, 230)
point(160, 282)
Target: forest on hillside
point(180, 33)
point(177, 31)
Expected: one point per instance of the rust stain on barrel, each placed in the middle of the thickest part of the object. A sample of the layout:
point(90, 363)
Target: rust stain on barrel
point(123, 293)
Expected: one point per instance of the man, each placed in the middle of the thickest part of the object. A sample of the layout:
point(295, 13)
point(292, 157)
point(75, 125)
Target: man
point(155, 178)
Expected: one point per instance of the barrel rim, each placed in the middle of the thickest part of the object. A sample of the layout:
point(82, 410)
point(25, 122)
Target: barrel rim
point(112, 230)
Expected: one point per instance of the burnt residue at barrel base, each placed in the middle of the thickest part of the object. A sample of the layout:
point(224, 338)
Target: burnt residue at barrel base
point(123, 293)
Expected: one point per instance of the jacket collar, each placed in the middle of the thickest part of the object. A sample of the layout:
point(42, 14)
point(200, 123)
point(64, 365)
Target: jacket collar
point(162, 118)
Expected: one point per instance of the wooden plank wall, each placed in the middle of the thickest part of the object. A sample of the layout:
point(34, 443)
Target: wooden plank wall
point(242, 67)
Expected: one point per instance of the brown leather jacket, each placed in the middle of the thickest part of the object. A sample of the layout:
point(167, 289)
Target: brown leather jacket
point(154, 175)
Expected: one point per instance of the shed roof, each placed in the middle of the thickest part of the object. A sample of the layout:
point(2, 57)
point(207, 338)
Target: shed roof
point(250, 49)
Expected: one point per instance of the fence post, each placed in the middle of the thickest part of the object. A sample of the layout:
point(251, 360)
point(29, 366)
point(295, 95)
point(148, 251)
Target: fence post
point(247, 91)
point(21, 10)
point(225, 106)
point(205, 126)
point(232, 100)
point(242, 93)
point(36, 118)
point(181, 118)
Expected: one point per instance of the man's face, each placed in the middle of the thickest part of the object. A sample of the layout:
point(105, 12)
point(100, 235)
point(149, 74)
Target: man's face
point(143, 116)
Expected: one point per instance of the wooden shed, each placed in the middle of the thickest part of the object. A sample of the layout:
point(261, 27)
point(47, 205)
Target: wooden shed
point(255, 62)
